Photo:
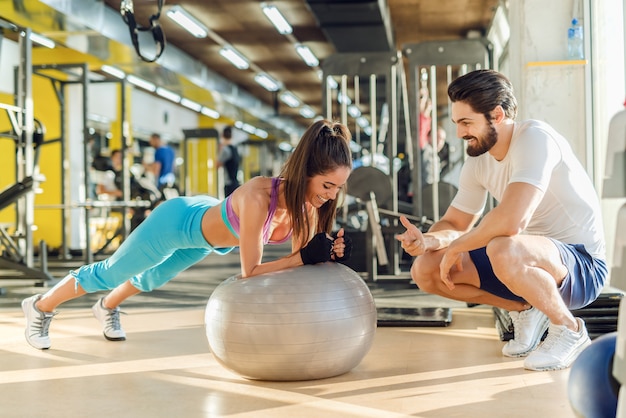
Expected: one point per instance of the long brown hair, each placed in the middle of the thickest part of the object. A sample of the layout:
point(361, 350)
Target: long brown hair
point(324, 147)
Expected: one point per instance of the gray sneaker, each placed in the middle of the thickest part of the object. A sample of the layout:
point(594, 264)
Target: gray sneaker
point(528, 328)
point(560, 348)
point(37, 323)
point(110, 320)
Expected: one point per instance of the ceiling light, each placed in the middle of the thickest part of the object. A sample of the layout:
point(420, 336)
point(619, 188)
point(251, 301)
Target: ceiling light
point(289, 99)
point(190, 104)
point(343, 98)
point(188, 22)
point(42, 40)
point(114, 71)
point(285, 146)
point(166, 94)
point(207, 111)
point(246, 127)
point(235, 57)
point(362, 122)
point(140, 82)
point(354, 111)
point(307, 112)
point(331, 82)
point(278, 20)
point(260, 133)
point(307, 55)
point(267, 82)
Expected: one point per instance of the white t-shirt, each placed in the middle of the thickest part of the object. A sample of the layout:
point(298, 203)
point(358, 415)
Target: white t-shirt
point(570, 209)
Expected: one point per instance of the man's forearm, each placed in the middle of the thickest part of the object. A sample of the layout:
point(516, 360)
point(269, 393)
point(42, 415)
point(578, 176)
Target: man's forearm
point(441, 238)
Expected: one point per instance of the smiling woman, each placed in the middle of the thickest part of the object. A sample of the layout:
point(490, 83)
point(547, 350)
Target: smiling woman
point(300, 202)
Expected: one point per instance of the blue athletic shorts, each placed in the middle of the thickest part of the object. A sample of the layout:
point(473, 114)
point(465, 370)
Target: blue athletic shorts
point(581, 286)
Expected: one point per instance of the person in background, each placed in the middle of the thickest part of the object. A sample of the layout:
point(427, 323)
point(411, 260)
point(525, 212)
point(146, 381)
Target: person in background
point(540, 253)
point(299, 205)
point(140, 188)
point(405, 190)
point(113, 189)
point(163, 166)
point(229, 159)
point(425, 117)
point(430, 157)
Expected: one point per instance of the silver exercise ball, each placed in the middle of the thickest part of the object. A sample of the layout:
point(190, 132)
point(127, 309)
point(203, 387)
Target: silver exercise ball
point(303, 323)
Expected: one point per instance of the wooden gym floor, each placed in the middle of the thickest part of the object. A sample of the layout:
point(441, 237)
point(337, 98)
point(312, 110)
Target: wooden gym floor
point(165, 369)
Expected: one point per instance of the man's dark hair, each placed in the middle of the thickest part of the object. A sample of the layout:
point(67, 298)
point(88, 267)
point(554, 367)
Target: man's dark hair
point(483, 90)
point(227, 132)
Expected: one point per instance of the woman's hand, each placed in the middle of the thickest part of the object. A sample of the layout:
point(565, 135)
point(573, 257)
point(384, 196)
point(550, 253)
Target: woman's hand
point(318, 250)
point(342, 246)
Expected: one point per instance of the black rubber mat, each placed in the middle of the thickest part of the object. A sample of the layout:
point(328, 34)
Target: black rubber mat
point(414, 317)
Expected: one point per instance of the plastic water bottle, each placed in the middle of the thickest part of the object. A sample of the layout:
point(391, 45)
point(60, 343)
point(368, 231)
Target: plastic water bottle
point(575, 47)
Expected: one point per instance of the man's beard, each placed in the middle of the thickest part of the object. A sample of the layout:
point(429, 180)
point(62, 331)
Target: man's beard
point(483, 144)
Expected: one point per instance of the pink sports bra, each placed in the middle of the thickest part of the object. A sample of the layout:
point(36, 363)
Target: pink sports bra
point(232, 220)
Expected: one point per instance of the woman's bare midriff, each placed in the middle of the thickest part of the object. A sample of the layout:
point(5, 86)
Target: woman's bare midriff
point(215, 232)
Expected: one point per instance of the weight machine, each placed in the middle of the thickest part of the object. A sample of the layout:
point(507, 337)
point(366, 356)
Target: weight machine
point(18, 255)
point(364, 92)
point(61, 76)
point(434, 64)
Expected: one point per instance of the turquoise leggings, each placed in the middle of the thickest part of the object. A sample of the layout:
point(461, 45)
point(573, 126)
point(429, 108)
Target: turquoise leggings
point(167, 242)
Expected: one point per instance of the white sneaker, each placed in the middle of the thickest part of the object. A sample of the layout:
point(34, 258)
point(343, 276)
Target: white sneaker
point(37, 323)
point(560, 348)
point(110, 320)
point(528, 328)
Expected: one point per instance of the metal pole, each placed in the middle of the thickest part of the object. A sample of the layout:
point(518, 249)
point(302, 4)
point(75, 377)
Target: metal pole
point(185, 168)
point(328, 96)
point(126, 193)
point(433, 141)
point(416, 170)
point(393, 145)
point(65, 178)
point(407, 116)
point(357, 103)
point(87, 179)
point(392, 153)
point(344, 99)
point(26, 165)
point(373, 110)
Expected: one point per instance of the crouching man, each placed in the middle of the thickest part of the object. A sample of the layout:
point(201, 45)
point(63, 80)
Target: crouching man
point(540, 252)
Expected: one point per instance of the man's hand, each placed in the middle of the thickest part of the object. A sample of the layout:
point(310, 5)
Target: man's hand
point(412, 240)
point(451, 258)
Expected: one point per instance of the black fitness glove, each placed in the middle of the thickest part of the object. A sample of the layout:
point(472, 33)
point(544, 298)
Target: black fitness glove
point(348, 250)
point(318, 250)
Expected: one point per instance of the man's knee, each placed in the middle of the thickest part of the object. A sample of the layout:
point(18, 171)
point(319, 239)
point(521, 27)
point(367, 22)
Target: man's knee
point(425, 273)
point(502, 256)
point(508, 263)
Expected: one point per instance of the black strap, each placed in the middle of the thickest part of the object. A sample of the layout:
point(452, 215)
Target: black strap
point(126, 9)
